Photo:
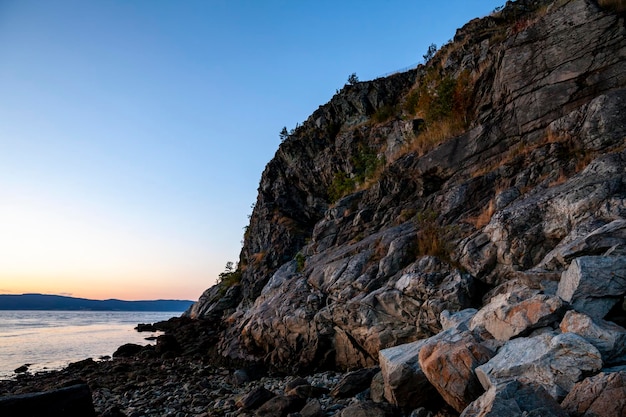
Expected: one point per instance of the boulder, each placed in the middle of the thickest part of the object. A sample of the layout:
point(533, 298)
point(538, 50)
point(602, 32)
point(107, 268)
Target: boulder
point(127, 350)
point(82, 365)
point(377, 388)
point(600, 395)
point(406, 384)
point(607, 337)
point(313, 408)
point(517, 312)
point(73, 401)
point(456, 320)
point(167, 344)
point(145, 327)
point(515, 399)
point(22, 369)
point(594, 284)
point(254, 399)
point(296, 382)
point(448, 360)
point(354, 382)
point(554, 361)
point(405, 381)
point(239, 377)
point(280, 406)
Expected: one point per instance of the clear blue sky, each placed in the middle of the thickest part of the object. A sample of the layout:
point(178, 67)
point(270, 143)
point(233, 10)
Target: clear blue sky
point(133, 133)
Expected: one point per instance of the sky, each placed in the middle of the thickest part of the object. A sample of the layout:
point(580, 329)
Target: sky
point(133, 134)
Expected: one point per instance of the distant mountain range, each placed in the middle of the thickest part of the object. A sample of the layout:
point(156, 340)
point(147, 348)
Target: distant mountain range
point(58, 302)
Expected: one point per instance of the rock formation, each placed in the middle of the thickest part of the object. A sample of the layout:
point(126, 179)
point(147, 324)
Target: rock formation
point(491, 178)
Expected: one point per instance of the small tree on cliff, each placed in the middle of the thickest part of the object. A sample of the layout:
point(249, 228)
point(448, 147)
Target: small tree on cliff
point(430, 53)
point(230, 276)
point(353, 79)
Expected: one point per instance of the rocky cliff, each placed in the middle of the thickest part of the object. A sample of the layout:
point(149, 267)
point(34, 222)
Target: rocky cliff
point(464, 212)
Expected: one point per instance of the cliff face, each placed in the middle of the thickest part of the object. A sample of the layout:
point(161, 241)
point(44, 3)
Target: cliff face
point(499, 162)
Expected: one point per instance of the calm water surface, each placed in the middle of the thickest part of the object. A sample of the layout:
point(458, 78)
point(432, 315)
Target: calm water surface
point(53, 339)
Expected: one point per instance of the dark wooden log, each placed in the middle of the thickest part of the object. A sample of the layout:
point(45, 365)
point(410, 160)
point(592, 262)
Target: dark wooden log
point(74, 401)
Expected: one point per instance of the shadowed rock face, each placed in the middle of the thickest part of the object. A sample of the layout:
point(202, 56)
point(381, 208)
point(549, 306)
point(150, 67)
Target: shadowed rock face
point(535, 180)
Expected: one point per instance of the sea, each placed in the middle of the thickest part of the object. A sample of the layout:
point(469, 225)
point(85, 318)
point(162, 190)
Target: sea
point(49, 340)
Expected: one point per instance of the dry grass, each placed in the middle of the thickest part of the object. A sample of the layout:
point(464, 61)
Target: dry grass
point(583, 161)
point(501, 160)
point(372, 179)
point(405, 215)
point(501, 185)
point(560, 179)
point(553, 136)
point(257, 258)
point(427, 140)
point(484, 217)
point(523, 150)
point(432, 238)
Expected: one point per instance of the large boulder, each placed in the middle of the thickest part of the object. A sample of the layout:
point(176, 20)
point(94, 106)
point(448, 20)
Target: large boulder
point(406, 384)
point(554, 361)
point(607, 337)
point(515, 399)
point(412, 372)
point(600, 395)
point(594, 284)
point(448, 360)
point(516, 312)
point(127, 350)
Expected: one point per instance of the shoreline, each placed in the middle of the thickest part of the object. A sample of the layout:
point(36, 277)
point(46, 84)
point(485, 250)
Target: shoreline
point(52, 340)
point(181, 377)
